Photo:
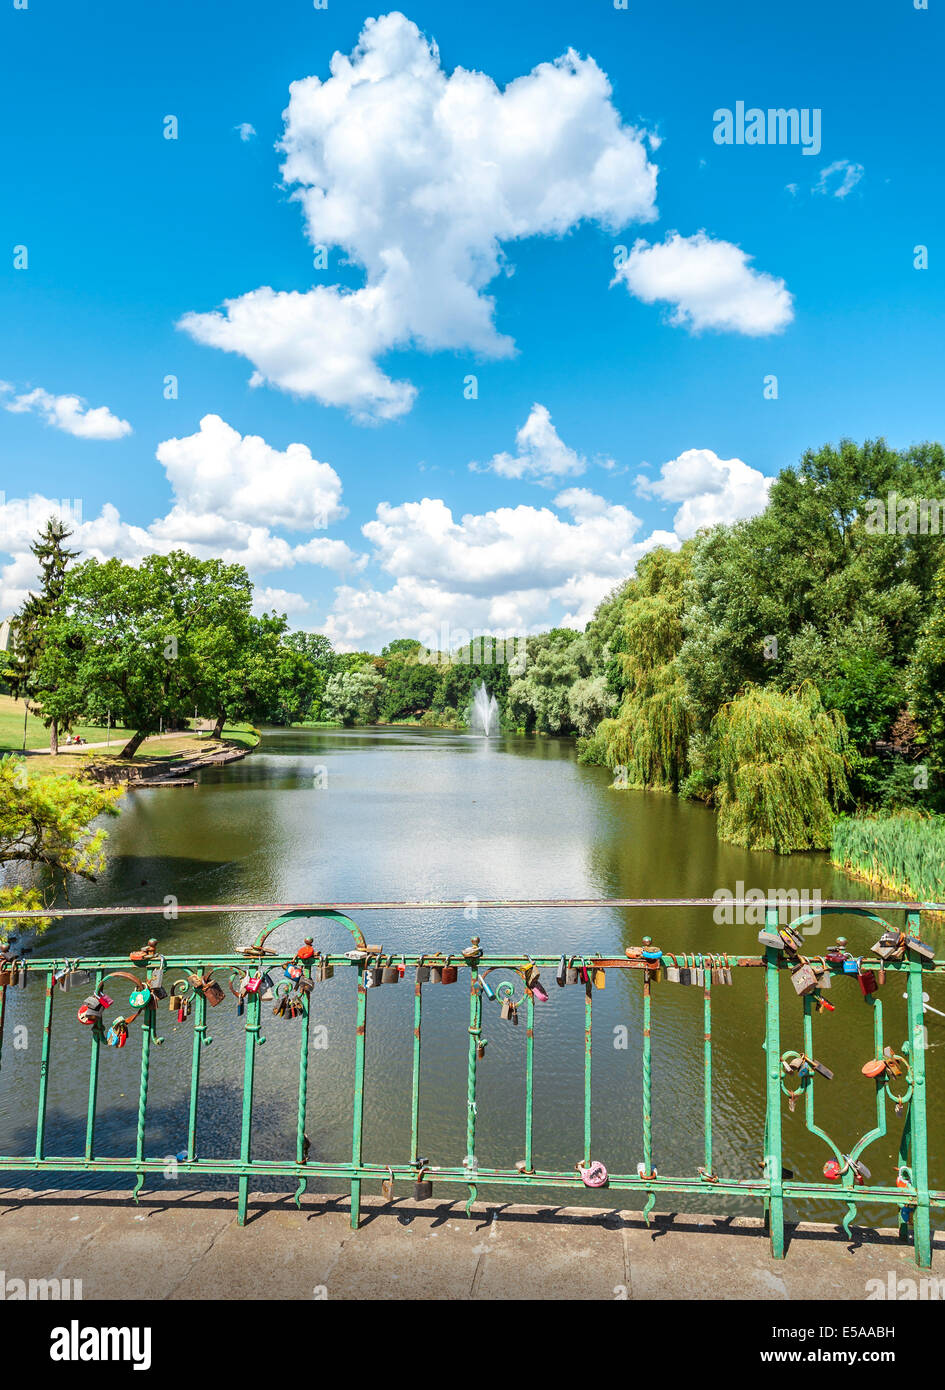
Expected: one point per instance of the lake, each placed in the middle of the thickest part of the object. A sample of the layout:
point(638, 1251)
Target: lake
point(402, 813)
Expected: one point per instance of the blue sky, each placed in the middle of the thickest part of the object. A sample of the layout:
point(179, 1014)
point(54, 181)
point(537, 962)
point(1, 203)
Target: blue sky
point(432, 194)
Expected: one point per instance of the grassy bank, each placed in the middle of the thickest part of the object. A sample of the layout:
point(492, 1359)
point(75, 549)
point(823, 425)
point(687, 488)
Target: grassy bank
point(37, 735)
point(153, 752)
point(902, 853)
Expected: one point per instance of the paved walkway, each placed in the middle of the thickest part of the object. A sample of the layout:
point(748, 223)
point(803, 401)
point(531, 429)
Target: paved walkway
point(191, 1248)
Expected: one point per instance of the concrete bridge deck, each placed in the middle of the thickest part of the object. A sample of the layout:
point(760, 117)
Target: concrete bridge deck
point(190, 1247)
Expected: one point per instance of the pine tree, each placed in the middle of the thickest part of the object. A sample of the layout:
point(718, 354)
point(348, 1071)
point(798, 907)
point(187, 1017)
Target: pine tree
point(31, 625)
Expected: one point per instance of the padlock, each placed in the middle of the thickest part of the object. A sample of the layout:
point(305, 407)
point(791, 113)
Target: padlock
point(600, 978)
point(531, 974)
point(174, 1002)
point(803, 978)
point(139, 997)
point(305, 984)
point(539, 994)
point(573, 976)
point(487, 989)
point(561, 974)
point(875, 1068)
point(449, 974)
point(423, 974)
point(306, 951)
point(292, 971)
point(252, 984)
point(436, 974)
point(7, 975)
point(920, 948)
point(387, 1186)
point(593, 1174)
point(390, 975)
point(868, 982)
point(832, 1170)
point(770, 938)
point(326, 971)
point(117, 1034)
point(505, 1013)
point(422, 1188)
point(821, 1069)
point(851, 966)
point(481, 1046)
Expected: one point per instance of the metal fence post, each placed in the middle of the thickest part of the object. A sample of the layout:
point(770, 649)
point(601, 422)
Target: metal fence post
point(773, 1156)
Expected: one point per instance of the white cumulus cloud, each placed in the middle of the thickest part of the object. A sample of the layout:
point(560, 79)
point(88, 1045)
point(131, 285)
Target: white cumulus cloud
point(67, 413)
point(232, 494)
point(541, 456)
point(421, 176)
point(710, 489)
point(246, 131)
point(510, 570)
point(710, 284)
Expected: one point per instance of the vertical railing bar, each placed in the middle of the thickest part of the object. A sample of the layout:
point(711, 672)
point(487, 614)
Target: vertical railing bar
point(773, 1156)
point(44, 1068)
point(707, 1056)
point(303, 1075)
point(530, 1080)
point(475, 1034)
point(647, 1078)
point(200, 1028)
point(146, 1031)
point(253, 1039)
point(922, 1234)
point(415, 1077)
point(588, 1028)
point(96, 1044)
point(357, 1135)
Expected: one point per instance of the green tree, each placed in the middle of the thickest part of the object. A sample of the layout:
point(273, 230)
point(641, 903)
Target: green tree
point(154, 641)
point(47, 831)
point(650, 734)
point(28, 675)
point(354, 697)
point(781, 760)
point(926, 677)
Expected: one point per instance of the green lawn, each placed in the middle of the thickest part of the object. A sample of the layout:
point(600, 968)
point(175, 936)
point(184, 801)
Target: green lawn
point(37, 735)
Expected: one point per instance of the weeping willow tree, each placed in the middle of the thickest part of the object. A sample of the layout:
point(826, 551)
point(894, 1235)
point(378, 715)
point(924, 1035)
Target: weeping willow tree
point(647, 741)
point(782, 768)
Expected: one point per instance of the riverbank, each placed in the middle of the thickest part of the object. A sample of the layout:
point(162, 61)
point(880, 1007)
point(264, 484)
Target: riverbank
point(902, 854)
point(157, 758)
point(188, 1246)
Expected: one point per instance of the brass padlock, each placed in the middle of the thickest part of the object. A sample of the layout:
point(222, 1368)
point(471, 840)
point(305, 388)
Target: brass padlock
point(422, 1188)
point(600, 978)
point(7, 975)
point(387, 1186)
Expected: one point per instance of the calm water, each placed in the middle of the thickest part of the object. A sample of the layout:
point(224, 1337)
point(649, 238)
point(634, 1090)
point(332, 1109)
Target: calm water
point(403, 814)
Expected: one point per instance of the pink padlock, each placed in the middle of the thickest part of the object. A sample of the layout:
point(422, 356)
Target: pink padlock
point(593, 1174)
point(252, 984)
point(539, 994)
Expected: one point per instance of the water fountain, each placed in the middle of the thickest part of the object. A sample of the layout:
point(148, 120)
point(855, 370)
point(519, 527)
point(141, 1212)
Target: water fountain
point(483, 712)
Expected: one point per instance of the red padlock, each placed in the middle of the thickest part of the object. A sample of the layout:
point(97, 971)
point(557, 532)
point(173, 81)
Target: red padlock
point(832, 1170)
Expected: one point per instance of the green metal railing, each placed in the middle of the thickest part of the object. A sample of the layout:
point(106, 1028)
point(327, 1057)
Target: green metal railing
point(901, 1081)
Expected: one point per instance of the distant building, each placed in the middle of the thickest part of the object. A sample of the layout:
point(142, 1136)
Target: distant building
point(6, 643)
